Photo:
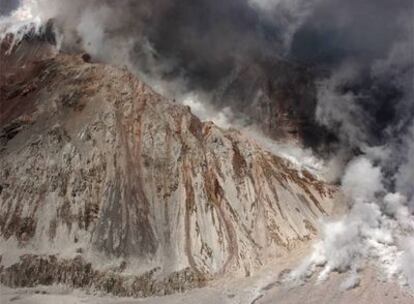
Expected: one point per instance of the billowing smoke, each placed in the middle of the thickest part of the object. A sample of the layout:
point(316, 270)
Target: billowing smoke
point(378, 228)
point(180, 46)
point(201, 41)
point(360, 54)
point(365, 52)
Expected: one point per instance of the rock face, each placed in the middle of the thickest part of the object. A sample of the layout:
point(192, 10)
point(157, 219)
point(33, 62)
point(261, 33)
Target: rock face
point(104, 184)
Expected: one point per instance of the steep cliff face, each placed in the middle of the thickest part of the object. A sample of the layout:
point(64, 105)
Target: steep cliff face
point(104, 184)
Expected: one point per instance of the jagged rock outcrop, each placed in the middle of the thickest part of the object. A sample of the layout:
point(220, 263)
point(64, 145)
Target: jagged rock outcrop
point(104, 183)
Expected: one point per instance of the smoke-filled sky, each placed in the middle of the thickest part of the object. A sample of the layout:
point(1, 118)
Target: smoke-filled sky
point(7, 6)
point(362, 53)
point(365, 46)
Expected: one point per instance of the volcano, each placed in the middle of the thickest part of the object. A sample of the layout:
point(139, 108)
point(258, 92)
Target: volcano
point(107, 185)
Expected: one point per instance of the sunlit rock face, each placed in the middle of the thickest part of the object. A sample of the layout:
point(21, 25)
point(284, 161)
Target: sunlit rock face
point(105, 184)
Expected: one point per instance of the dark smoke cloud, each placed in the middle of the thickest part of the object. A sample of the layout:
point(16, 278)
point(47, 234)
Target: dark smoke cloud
point(208, 38)
point(7, 6)
point(203, 39)
point(371, 42)
point(364, 30)
point(367, 90)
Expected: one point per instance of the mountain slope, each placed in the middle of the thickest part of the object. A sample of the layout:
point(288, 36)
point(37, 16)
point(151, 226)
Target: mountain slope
point(107, 185)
